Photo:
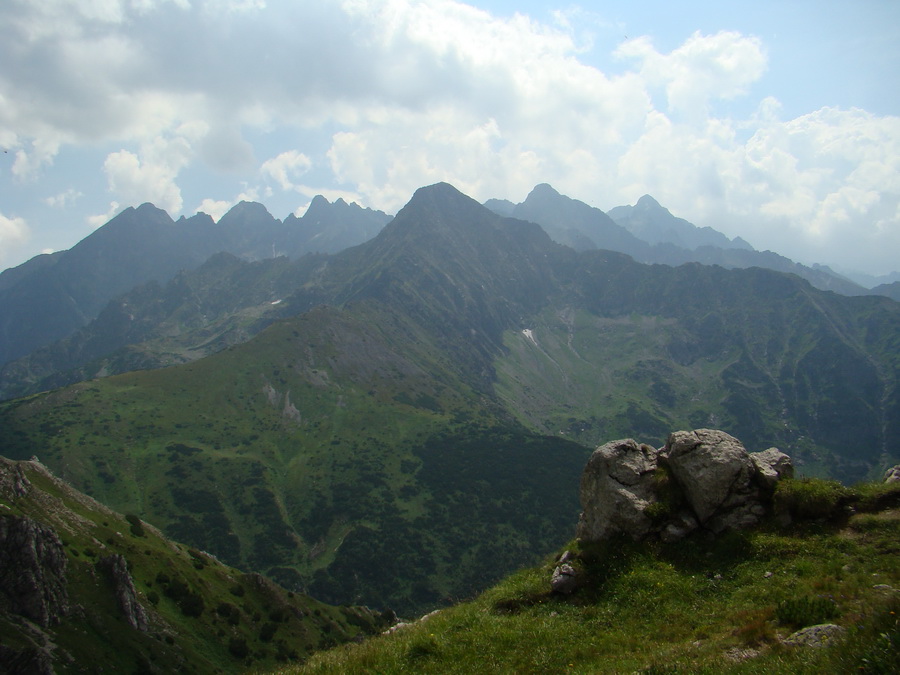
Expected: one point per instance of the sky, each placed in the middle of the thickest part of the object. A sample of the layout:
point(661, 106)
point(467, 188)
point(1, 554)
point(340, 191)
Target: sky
point(775, 121)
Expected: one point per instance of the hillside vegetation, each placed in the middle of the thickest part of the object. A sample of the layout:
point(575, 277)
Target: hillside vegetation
point(702, 605)
point(86, 589)
point(410, 423)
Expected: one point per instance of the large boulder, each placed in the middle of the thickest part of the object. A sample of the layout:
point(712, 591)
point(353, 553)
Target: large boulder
point(718, 478)
point(772, 465)
point(616, 489)
point(702, 479)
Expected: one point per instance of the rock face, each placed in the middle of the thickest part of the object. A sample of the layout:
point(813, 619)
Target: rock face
point(32, 571)
point(701, 479)
point(13, 482)
point(116, 569)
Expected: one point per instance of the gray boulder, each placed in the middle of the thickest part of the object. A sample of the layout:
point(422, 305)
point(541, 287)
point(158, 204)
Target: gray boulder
point(772, 465)
point(821, 635)
point(892, 475)
point(564, 579)
point(617, 486)
point(717, 477)
point(702, 479)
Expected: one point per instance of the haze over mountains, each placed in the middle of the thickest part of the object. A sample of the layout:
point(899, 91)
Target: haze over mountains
point(50, 297)
point(404, 421)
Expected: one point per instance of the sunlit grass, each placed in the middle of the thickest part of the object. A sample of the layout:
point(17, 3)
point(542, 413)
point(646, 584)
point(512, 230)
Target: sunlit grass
point(699, 606)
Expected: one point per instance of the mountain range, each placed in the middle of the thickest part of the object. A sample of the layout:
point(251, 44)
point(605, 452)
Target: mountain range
point(65, 317)
point(403, 422)
point(50, 296)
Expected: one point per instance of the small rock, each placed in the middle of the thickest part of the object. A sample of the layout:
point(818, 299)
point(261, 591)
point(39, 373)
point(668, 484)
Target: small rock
point(741, 654)
point(768, 575)
point(564, 579)
point(816, 636)
point(884, 587)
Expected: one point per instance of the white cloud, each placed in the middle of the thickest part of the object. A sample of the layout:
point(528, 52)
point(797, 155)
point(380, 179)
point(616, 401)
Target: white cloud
point(64, 199)
point(214, 208)
point(100, 219)
point(720, 66)
point(286, 168)
point(29, 163)
point(13, 230)
point(150, 177)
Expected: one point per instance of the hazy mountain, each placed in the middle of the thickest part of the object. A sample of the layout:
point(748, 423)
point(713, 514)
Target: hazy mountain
point(870, 280)
point(329, 227)
point(576, 224)
point(412, 423)
point(650, 234)
point(654, 224)
point(888, 290)
point(49, 297)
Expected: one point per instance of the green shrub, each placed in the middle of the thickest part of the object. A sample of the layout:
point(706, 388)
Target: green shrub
point(191, 604)
point(238, 647)
point(809, 611)
point(267, 632)
point(811, 498)
point(137, 527)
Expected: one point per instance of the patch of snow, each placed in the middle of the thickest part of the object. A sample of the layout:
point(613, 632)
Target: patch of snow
point(527, 333)
point(275, 302)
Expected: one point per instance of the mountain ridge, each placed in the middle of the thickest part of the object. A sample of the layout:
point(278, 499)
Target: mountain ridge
point(453, 370)
point(138, 246)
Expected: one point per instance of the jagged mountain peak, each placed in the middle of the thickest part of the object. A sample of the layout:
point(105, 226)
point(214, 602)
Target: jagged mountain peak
point(439, 204)
point(648, 203)
point(543, 190)
point(244, 211)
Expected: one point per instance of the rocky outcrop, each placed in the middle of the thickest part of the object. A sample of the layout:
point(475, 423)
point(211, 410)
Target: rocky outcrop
point(616, 489)
point(116, 568)
point(701, 479)
point(820, 635)
point(32, 571)
point(892, 475)
point(13, 482)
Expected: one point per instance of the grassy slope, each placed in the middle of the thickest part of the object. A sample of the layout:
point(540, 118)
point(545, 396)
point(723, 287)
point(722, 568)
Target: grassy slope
point(691, 607)
point(239, 621)
point(320, 454)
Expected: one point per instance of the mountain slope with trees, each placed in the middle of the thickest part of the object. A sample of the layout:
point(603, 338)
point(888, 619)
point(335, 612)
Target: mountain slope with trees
point(410, 427)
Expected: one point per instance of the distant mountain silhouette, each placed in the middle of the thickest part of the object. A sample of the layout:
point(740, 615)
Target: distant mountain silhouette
point(649, 233)
point(49, 297)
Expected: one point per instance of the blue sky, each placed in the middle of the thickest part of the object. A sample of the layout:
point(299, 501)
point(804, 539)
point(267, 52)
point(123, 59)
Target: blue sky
point(775, 121)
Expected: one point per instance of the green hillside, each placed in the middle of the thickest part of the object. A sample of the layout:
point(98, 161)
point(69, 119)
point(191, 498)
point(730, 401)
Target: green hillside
point(61, 596)
point(413, 425)
point(727, 605)
point(323, 454)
